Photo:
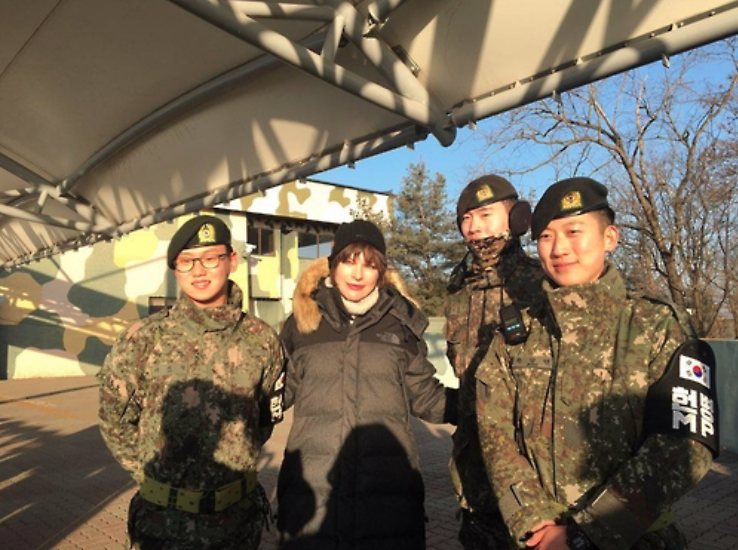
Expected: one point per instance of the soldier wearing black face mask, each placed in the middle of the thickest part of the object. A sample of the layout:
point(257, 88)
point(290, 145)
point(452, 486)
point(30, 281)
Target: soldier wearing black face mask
point(495, 274)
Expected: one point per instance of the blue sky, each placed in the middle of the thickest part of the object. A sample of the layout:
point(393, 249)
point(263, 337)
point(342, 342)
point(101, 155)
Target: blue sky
point(385, 172)
point(459, 163)
point(465, 159)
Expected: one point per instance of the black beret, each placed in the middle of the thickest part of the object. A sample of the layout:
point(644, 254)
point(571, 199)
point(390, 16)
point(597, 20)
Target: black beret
point(481, 191)
point(569, 197)
point(358, 231)
point(199, 231)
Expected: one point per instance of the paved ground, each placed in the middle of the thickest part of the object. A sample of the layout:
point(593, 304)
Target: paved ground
point(60, 488)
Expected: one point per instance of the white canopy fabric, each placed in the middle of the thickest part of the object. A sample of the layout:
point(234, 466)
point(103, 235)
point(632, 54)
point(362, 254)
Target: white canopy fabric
point(116, 114)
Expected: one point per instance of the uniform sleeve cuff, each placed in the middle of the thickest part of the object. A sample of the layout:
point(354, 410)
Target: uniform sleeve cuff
point(528, 517)
point(608, 523)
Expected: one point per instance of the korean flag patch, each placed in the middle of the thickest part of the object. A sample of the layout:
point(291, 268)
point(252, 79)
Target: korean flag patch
point(693, 370)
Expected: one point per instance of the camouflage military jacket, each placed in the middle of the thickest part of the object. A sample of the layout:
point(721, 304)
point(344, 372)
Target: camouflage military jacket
point(472, 317)
point(561, 417)
point(182, 392)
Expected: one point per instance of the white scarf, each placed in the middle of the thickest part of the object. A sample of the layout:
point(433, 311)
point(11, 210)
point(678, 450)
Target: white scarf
point(362, 306)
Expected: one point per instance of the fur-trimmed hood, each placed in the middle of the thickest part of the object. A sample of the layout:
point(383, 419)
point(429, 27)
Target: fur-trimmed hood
point(305, 308)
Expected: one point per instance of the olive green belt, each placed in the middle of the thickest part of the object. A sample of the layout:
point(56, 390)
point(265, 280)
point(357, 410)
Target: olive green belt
point(198, 502)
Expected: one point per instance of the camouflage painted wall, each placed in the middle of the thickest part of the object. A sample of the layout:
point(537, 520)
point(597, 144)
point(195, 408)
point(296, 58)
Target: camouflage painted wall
point(59, 316)
point(273, 278)
point(313, 200)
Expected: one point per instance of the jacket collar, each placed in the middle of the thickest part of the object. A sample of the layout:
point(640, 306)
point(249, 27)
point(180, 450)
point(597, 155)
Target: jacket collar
point(313, 301)
point(512, 256)
point(585, 301)
point(212, 318)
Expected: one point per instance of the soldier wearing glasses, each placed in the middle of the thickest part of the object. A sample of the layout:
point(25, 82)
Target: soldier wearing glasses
point(187, 398)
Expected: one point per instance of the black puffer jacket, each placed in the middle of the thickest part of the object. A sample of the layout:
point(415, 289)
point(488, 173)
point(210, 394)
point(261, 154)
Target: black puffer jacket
point(350, 476)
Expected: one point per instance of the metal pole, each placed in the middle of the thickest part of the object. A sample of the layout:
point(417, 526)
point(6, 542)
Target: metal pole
point(347, 153)
point(382, 56)
point(21, 171)
point(282, 10)
point(82, 226)
point(639, 51)
point(186, 101)
point(301, 58)
point(380, 10)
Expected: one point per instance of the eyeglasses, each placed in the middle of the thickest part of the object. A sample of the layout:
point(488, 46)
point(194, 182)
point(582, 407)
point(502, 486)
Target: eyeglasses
point(185, 265)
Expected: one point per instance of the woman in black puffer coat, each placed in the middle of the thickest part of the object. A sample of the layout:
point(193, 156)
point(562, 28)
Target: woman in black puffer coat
point(357, 370)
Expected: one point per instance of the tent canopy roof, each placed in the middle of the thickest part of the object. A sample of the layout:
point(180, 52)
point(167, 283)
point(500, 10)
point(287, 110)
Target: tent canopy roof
point(116, 114)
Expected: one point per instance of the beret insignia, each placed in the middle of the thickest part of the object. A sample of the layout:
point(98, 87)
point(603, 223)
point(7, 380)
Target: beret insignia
point(572, 201)
point(206, 234)
point(485, 193)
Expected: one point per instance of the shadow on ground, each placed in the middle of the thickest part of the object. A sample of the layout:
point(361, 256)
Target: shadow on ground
point(52, 479)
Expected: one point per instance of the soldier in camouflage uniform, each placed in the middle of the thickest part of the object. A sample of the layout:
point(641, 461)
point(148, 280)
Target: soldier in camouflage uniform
point(500, 275)
point(188, 397)
point(564, 416)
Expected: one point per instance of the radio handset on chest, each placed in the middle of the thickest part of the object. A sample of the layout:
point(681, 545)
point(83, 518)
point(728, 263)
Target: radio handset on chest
point(511, 324)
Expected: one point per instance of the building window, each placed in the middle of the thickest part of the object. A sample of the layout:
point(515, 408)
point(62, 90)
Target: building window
point(261, 241)
point(311, 246)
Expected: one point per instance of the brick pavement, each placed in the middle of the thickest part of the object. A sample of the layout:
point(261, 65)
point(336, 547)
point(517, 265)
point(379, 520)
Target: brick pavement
point(61, 489)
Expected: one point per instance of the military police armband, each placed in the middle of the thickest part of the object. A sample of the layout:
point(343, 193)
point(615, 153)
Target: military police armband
point(684, 401)
point(273, 412)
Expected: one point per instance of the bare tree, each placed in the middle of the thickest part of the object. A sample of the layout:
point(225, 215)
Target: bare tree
point(662, 139)
point(724, 204)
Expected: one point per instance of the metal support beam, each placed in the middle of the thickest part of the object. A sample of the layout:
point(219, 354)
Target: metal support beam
point(85, 211)
point(348, 153)
point(40, 202)
point(245, 28)
point(333, 39)
point(25, 215)
point(380, 10)
point(18, 193)
point(186, 101)
point(21, 171)
point(382, 56)
point(44, 191)
point(671, 40)
point(345, 17)
point(283, 10)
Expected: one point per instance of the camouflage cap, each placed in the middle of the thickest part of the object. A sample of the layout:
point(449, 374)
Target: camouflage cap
point(199, 231)
point(569, 197)
point(484, 190)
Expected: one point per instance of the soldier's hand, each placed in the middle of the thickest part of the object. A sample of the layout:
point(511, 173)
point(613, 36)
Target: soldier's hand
point(547, 536)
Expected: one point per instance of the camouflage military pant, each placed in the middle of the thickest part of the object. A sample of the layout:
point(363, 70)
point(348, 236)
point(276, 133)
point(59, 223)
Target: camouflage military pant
point(151, 527)
point(480, 531)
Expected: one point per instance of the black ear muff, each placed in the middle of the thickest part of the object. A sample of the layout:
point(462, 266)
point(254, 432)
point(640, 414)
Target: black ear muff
point(520, 218)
